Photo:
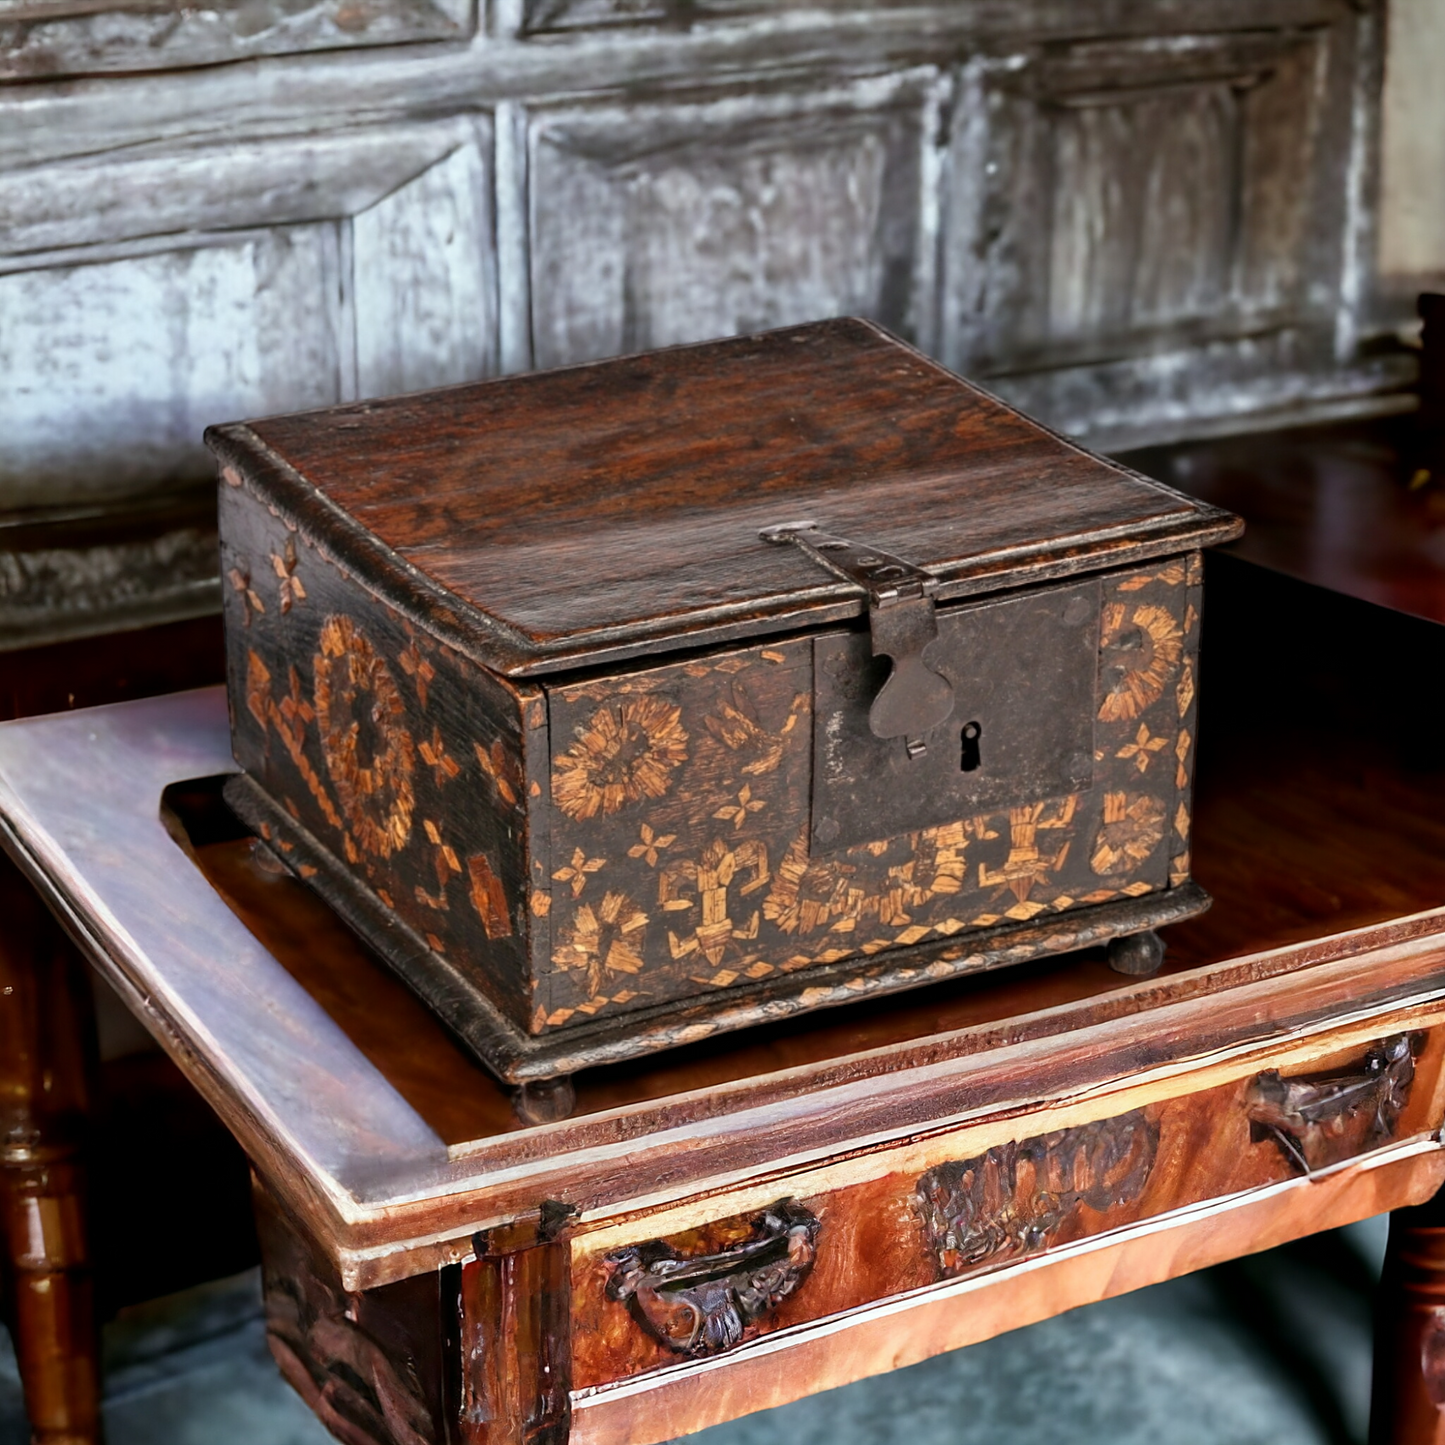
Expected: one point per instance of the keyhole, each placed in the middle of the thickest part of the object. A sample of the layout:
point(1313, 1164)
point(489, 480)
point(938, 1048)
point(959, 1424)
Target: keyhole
point(970, 758)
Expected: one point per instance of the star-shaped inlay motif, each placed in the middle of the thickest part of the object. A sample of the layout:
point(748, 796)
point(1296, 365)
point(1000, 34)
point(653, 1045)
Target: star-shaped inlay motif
point(250, 602)
point(650, 845)
point(577, 870)
point(737, 813)
point(1142, 749)
point(284, 565)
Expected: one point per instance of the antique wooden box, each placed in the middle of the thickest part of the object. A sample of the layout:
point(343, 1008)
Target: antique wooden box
point(623, 704)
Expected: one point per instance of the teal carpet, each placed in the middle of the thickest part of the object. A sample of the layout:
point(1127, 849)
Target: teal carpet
point(1273, 1350)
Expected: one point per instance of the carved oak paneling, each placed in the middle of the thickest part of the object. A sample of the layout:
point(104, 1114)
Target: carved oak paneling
point(40, 38)
point(541, 17)
point(242, 283)
point(1135, 216)
point(709, 217)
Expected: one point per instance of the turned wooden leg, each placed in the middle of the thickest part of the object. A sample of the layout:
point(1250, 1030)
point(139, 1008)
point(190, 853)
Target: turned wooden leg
point(1407, 1406)
point(45, 1041)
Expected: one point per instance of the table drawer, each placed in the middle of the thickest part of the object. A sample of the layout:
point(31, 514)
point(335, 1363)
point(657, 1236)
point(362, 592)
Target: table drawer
point(701, 1278)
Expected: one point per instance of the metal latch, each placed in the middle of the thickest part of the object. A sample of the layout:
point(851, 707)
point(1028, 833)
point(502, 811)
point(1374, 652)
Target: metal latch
point(902, 621)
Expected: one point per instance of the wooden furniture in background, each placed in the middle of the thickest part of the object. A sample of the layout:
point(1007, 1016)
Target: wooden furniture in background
point(869, 1185)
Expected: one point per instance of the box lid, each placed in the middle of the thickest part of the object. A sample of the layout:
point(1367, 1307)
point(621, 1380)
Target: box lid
point(599, 512)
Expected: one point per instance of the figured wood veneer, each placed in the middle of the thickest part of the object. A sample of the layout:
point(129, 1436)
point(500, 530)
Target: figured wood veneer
point(1008, 1187)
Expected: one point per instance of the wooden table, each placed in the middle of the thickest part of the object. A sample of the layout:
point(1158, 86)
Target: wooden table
point(873, 1185)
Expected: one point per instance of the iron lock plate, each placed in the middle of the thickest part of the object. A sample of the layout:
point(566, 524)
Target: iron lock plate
point(1023, 671)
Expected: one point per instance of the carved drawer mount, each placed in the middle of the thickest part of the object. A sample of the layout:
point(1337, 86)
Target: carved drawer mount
point(1011, 1201)
point(1321, 1119)
point(701, 1304)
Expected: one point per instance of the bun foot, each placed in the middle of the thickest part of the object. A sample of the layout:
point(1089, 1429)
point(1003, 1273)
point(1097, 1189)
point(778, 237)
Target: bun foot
point(1137, 954)
point(544, 1101)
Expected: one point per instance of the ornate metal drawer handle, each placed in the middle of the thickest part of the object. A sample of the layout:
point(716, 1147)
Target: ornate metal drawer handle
point(1300, 1114)
point(701, 1304)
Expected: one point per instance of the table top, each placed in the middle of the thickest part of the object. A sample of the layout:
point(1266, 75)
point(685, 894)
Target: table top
point(1327, 863)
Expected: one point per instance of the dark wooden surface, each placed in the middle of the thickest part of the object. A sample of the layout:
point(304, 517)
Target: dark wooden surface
point(92, 671)
point(1324, 803)
point(600, 511)
point(978, 1209)
point(800, 855)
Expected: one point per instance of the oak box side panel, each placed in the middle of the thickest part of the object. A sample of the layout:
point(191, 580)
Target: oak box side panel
point(400, 756)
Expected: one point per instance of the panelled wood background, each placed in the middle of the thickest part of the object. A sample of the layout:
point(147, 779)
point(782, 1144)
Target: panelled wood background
point(1135, 220)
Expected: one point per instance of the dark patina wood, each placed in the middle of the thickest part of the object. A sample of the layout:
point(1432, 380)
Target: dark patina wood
point(520, 686)
point(371, 1365)
point(600, 512)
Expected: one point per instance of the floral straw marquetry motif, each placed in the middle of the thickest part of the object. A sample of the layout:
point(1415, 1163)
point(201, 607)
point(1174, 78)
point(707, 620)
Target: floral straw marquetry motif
point(289, 719)
point(808, 896)
point(1142, 646)
point(1140, 751)
point(1134, 824)
point(1027, 866)
point(740, 808)
point(497, 764)
point(712, 877)
point(736, 726)
point(250, 602)
point(627, 751)
point(713, 767)
point(574, 874)
point(417, 668)
point(369, 753)
point(650, 845)
point(444, 858)
point(434, 754)
point(607, 939)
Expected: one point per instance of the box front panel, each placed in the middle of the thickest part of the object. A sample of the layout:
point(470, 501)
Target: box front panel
point(690, 808)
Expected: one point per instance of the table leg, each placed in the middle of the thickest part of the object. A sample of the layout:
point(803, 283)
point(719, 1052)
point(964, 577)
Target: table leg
point(46, 1030)
point(1408, 1403)
point(516, 1341)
